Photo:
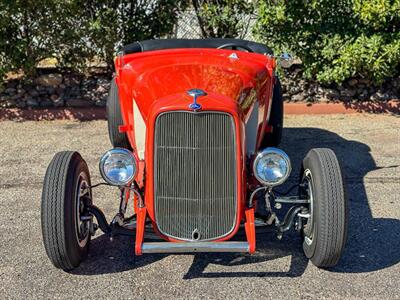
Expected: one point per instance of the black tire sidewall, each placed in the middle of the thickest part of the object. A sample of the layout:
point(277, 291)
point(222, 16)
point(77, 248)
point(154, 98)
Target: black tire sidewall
point(330, 210)
point(273, 139)
point(315, 169)
point(75, 251)
point(59, 212)
point(277, 112)
point(114, 118)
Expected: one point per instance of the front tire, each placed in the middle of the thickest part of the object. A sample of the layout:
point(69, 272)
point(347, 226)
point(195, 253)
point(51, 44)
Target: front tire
point(325, 233)
point(65, 197)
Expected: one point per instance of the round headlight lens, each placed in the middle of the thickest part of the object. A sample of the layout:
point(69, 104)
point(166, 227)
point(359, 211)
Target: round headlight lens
point(118, 166)
point(272, 166)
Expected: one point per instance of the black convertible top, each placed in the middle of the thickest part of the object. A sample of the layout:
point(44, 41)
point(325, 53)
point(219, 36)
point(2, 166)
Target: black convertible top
point(162, 44)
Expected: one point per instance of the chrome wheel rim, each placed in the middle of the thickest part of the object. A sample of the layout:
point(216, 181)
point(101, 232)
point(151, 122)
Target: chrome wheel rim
point(309, 226)
point(83, 195)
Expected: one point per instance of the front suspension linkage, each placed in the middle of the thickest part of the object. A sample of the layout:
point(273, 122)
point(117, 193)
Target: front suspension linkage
point(297, 210)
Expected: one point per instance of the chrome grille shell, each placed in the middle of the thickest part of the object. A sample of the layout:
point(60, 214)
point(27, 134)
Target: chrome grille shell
point(195, 175)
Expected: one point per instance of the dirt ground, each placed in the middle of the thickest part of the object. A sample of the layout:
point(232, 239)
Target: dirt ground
point(368, 147)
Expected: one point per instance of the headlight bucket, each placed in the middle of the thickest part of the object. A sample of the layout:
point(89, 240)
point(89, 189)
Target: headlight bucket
point(272, 167)
point(118, 166)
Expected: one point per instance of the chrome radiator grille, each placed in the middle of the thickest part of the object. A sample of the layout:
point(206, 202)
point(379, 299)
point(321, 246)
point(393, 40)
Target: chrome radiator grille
point(195, 175)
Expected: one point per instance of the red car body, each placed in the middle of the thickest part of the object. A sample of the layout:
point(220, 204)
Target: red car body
point(237, 83)
point(194, 126)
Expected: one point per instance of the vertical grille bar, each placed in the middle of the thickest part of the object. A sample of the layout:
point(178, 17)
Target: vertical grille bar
point(195, 175)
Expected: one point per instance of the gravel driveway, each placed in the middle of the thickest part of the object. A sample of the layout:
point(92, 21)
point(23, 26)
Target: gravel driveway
point(368, 147)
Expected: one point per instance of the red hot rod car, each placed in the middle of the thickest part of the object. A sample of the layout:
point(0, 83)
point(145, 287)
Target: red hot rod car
point(195, 125)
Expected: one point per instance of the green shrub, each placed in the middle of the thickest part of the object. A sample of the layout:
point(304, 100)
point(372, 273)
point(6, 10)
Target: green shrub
point(223, 18)
point(33, 30)
point(112, 24)
point(336, 40)
point(75, 31)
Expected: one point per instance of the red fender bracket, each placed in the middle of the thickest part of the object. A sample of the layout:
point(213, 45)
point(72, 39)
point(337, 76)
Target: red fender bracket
point(125, 128)
point(250, 229)
point(140, 226)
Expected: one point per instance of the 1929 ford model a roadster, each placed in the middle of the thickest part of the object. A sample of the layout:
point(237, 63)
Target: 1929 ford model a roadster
point(194, 125)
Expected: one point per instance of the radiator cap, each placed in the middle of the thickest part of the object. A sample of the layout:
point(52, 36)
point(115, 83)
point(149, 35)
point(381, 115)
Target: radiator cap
point(195, 93)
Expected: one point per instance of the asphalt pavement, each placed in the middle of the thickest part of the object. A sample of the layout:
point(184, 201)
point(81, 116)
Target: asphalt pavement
point(368, 147)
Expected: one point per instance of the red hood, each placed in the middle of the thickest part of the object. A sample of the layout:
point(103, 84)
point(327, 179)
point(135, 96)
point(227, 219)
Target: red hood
point(151, 77)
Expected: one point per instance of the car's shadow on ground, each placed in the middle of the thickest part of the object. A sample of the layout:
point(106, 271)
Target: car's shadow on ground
point(373, 243)
point(269, 248)
point(115, 256)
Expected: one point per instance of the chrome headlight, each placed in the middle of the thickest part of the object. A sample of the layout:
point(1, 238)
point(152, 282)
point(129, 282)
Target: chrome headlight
point(118, 166)
point(271, 166)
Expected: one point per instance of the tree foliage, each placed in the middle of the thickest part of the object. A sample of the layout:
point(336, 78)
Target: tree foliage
point(223, 18)
point(33, 30)
point(114, 23)
point(337, 39)
point(73, 31)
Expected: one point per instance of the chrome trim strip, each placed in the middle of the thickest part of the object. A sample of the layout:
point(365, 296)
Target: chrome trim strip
point(171, 247)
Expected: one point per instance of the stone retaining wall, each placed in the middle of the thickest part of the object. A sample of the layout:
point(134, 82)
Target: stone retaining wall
point(296, 89)
point(71, 90)
point(56, 90)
